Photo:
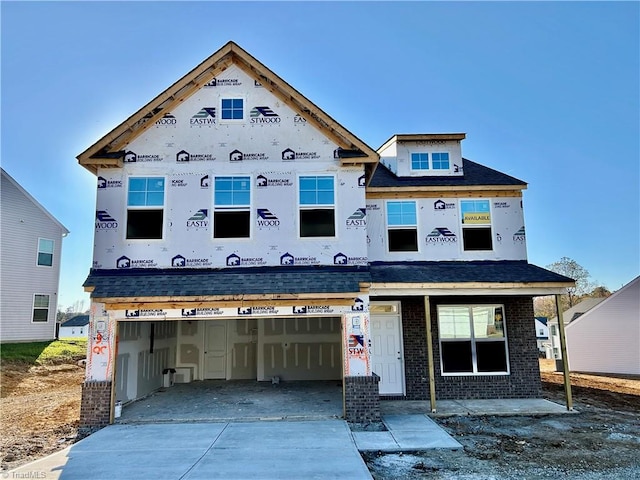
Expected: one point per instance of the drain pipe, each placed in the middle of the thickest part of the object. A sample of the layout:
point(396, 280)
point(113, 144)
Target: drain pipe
point(565, 358)
point(432, 375)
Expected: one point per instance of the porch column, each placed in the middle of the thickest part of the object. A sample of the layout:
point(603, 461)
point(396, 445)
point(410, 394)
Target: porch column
point(96, 403)
point(563, 353)
point(360, 393)
point(432, 375)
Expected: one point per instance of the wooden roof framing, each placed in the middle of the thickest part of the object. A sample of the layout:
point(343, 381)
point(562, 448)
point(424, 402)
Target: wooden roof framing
point(108, 151)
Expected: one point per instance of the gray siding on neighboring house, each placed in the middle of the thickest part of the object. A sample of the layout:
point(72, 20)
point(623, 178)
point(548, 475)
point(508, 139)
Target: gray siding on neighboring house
point(606, 339)
point(22, 222)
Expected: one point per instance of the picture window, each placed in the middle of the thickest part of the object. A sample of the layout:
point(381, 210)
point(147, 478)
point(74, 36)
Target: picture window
point(472, 339)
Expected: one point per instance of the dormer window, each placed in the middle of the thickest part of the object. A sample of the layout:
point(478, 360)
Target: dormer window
point(438, 161)
point(419, 161)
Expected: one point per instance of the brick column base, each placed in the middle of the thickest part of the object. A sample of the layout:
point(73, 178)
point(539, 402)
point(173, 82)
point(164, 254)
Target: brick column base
point(361, 399)
point(95, 407)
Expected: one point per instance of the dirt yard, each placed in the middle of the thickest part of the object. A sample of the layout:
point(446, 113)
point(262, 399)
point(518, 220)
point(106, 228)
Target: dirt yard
point(602, 441)
point(39, 408)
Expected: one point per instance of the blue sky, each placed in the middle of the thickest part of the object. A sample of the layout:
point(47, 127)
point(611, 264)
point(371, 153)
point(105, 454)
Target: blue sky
point(548, 92)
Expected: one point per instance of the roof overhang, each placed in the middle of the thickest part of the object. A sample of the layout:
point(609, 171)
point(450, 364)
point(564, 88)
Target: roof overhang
point(467, 289)
point(422, 137)
point(446, 190)
point(108, 152)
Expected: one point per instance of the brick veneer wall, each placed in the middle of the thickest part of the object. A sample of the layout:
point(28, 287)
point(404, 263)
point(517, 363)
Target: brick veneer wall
point(95, 407)
point(524, 379)
point(361, 399)
point(414, 340)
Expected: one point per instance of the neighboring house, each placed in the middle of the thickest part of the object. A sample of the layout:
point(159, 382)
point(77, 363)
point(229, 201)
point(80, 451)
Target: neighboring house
point(242, 233)
point(542, 337)
point(30, 246)
point(569, 316)
point(76, 327)
point(606, 339)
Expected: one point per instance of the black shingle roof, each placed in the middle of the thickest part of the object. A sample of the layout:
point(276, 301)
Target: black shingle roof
point(77, 321)
point(505, 271)
point(474, 175)
point(245, 281)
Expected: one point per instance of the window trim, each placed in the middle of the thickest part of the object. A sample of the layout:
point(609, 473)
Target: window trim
point(232, 208)
point(33, 307)
point(244, 109)
point(163, 207)
point(474, 355)
point(471, 226)
point(317, 206)
point(401, 227)
point(38, 252)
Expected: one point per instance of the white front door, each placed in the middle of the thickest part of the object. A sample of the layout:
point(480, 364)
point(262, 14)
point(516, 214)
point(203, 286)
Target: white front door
point(215, 350)
point(386, 347)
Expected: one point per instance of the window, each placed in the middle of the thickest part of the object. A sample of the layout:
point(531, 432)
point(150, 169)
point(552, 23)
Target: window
point(40, 308)
point(472, 339)
point(553, 330)
point(232, 109)
point(145, 202)
point(476, 225)
point(232, 207)
point(317, 207)
point(45, 252)
point(440, 161)
point(419, 161)
point(402, 227)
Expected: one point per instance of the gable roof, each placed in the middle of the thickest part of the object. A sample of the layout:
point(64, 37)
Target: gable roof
point(77, 321)
point(108, 151)
point(611, 299)
point(10, 179)
point(475, 175)
point(577, 310)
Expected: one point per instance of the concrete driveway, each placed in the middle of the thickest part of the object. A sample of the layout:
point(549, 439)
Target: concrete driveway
point(236, 450)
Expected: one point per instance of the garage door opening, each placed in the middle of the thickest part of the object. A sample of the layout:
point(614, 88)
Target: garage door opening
point(243, 368)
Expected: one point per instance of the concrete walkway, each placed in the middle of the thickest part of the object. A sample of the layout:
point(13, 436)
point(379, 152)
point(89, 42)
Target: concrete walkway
point(405, 433)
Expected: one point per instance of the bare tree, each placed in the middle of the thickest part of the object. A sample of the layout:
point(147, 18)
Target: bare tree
point(572, 269)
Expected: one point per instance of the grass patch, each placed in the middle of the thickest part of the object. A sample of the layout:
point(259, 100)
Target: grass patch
point(45, 353)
